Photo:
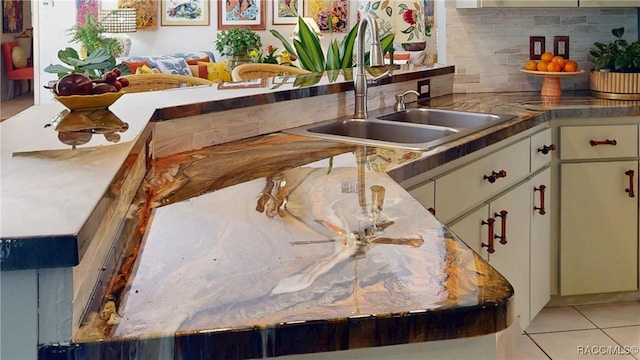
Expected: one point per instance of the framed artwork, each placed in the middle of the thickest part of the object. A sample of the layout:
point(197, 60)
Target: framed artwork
point(146, 12)
point(184, 12)
point(336, 11)
point(245, 13)
point(11, 16)
point(286, 11)
point(85, 8)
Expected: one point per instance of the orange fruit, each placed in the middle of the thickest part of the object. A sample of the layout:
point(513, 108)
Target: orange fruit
point(558, 60)
point(542, 65)
point(570, 66)
point(531, 65)
point(554, 67)
point(547, 56)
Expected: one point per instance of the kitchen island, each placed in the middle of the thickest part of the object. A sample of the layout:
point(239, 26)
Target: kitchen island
point(340, 285)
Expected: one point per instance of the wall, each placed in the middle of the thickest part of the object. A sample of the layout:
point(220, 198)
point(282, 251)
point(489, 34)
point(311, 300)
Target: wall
point(24, 43)
point(58, 16)
point(488, 46)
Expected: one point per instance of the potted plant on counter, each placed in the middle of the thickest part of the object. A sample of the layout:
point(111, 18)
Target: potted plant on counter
point(236, 43)
point(616, 68)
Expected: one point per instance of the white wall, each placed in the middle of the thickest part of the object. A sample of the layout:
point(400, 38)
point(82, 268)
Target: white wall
point(56, 16)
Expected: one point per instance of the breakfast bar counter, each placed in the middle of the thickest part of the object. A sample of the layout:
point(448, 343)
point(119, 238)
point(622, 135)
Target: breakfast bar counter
point(274, 245)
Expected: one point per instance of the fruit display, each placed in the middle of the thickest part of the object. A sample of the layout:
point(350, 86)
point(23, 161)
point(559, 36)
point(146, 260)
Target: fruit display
point(80, 84)
point(551, 63)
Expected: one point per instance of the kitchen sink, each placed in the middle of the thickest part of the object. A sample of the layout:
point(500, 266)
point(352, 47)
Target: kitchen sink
point(413, 129)
point(449, 118)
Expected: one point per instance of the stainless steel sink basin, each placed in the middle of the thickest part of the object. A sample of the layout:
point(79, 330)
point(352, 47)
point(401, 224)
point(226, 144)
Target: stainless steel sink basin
point(383, 131)
point(413, 129)
point(449, 118)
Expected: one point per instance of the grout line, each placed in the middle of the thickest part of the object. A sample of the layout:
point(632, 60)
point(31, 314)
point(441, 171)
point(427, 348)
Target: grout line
point(539, 347)
point(585, 316)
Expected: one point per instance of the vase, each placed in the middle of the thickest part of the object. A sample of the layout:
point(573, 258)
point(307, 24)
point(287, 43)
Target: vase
point(615, 85)
point(236, 60)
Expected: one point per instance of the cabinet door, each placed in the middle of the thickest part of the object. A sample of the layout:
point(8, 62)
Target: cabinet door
point(609, 3)
point(540, 258)
point(512, 259)
point(470, 229)
point(425, 194)
point(599, 228)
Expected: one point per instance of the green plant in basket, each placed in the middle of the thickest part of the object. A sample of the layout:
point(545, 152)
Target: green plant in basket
point(237, 42)
point(617, 55)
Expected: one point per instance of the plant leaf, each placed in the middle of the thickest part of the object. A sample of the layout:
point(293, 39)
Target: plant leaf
point(346, 48)
point(333, 56)
point(284, 42)
point(312, 44)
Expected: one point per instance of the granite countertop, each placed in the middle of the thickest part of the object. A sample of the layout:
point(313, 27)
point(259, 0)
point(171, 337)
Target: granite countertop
point(233, 262)
point(49, 193)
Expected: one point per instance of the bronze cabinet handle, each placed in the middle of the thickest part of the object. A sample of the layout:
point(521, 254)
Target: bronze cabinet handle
point(603, 142)
point(540, 209)
point(503, 216)
point(489, 222)
point(629, 190)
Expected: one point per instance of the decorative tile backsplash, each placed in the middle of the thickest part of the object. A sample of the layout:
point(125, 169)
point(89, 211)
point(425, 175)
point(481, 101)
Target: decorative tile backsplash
point(196, 132)
point(488, 46)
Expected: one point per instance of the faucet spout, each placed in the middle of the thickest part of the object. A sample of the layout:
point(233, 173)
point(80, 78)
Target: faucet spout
point(375, 56)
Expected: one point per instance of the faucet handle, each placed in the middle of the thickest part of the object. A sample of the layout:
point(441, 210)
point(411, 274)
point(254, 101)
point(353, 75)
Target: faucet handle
point(400, 105)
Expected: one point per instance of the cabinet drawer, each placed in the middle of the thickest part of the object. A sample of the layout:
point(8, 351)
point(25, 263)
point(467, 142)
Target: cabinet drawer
point(598, 142)
point(462, 189)
point(541, 149)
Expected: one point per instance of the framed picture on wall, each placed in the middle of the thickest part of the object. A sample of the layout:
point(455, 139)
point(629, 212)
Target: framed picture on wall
point(184, 12)
point(336, 11)
point(245, 13)
point(286, 11)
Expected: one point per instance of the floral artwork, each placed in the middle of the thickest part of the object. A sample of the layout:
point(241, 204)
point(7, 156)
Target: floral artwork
point(185, 12)
point(286, 11)
point(11, 16)
point(408, 19)
point(245, 13)
point(330, 15)
point(146, 12)
point(86, 7)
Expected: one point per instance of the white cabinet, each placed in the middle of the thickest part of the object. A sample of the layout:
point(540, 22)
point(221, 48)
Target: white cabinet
point(500, 229)
point(599, 209)
point(522, 215)
point(496, 196)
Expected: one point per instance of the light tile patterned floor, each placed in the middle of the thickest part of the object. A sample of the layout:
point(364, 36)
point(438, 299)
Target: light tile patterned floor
point(583, 332)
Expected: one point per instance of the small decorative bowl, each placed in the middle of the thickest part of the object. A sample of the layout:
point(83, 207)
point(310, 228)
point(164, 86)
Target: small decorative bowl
point(86, 102)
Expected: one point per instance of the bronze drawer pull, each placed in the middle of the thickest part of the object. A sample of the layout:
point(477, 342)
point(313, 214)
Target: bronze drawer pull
point(603, 142)
point(495, 175)
point(546, 148)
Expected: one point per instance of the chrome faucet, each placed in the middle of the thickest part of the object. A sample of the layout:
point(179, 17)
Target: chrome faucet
point(375, 56)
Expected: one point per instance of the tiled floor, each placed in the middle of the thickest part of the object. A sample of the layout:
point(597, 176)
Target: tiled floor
point(583, 332)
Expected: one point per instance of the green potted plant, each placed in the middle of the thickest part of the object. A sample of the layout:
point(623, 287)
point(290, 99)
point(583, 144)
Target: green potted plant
point(90, 37)
point(616, 68)
point(236, 43)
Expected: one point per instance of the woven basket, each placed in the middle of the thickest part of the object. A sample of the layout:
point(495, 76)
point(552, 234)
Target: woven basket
point(612, 85)
point(154, 82)
point(259, 71)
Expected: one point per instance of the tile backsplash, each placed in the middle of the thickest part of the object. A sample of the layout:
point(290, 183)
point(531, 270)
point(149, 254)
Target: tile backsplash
point(488, 46)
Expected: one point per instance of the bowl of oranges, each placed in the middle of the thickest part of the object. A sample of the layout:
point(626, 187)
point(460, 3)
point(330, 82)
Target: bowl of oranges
point(552, 67)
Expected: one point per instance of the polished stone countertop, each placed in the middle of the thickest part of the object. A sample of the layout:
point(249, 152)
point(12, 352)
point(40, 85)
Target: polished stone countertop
point(50, 191)
point(233, 262)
